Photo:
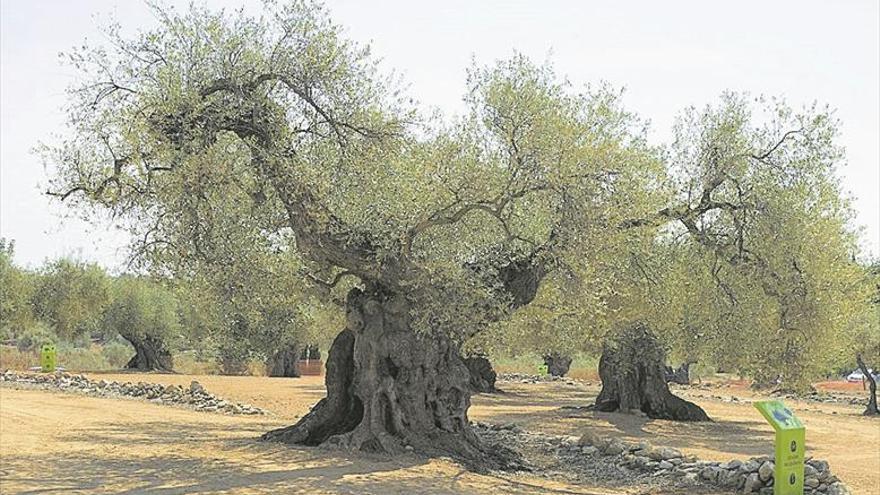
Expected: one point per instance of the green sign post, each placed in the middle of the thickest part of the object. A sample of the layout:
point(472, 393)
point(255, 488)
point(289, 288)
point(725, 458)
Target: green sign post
point(790, 434)
point(47, 358)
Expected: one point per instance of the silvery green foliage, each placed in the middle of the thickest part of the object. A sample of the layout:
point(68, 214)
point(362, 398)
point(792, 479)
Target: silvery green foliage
point(224, 141)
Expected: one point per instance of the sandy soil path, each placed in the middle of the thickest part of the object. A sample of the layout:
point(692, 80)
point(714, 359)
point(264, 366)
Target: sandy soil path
point(60, 443)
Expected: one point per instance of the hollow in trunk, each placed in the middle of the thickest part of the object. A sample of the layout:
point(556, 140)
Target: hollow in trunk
point(633, 378)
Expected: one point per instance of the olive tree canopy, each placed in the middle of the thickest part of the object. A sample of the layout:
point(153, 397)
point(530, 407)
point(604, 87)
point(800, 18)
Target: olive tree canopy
point(218, 130)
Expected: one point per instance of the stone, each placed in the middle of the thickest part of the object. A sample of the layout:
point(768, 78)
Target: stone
point(664, 454)
point(765, 472)
point(753, 483)
point(614, 447)
point(838, 489)
point(734, 464)
point(810, 471)
point(196, 388)
point(589, 438)
point(710, 474)
point(728, 479)
point(666, 465)
point(811, 481)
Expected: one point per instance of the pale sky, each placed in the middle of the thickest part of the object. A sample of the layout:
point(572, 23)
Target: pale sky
point(668, 55)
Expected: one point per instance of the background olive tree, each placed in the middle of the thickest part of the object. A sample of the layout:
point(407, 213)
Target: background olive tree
point(146, 314)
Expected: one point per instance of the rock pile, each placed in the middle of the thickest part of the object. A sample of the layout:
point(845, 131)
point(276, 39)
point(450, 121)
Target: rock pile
point(813, 396)
point(194, 396)
point(824, 398)
point(611, 460)
point(753, 475)
point(527, 378)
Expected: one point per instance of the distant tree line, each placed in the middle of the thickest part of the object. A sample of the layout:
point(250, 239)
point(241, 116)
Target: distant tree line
point(77, 303)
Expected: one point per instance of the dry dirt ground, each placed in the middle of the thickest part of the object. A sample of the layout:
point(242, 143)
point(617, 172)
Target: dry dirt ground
point(64, 443)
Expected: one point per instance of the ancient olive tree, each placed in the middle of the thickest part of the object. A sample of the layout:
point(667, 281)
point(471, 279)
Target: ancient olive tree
point(144, 313)
point(436, 229)
point(778, 250)
point(731, 273)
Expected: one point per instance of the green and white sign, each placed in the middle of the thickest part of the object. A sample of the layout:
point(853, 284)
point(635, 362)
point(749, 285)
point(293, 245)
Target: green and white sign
point(790, 435)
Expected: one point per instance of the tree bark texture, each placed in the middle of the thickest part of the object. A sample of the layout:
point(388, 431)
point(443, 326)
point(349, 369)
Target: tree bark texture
point(482, 375)
point(390, 389)
point(284, 363)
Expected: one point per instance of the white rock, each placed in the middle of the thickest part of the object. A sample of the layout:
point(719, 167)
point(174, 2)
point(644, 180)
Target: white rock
point(753, 483)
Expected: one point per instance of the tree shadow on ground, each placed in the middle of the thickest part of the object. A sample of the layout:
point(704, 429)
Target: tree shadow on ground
point(744, 438)
point(190, 457)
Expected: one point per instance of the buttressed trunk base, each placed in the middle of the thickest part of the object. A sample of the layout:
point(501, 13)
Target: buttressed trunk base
point(633, 378)
point(390, 389)
point(150, 355)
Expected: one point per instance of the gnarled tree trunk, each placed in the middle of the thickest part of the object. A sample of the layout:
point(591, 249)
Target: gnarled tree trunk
point(557, 364)
point(871, 409)
point(482, 375)
point(389, 388)
point(284, 363)
point(633, 378)
point(680, 375)
point(150, 354)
